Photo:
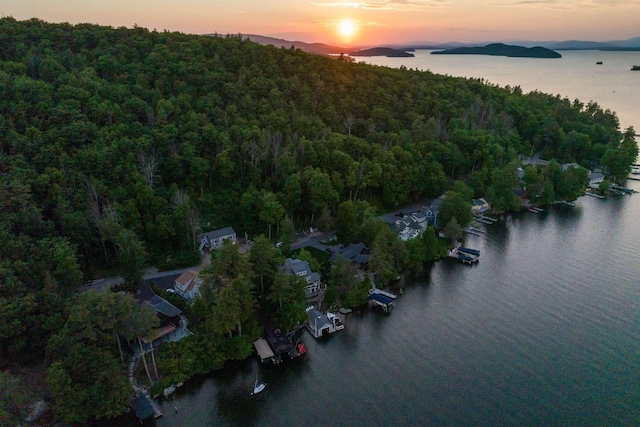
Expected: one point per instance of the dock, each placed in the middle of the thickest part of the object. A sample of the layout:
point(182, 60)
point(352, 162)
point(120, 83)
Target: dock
point(623, 190)
point(564, 202)
point(486, 219)
point(474, 231)
point(589, 193)
point(156, 410)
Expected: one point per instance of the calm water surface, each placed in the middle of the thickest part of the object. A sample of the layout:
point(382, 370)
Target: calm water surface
point(545, 330)
point(576, 76)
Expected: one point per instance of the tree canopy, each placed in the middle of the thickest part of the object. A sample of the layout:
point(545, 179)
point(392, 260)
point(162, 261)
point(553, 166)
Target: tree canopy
point(119, 146)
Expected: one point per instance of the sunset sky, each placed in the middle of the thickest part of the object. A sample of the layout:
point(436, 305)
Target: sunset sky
point(355, 22)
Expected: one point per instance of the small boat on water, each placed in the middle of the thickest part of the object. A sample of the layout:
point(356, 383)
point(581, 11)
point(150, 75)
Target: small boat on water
point(258, 387)
point(635, 68)
point(599, 63)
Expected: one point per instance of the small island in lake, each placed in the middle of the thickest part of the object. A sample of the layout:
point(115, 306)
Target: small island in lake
point(382, 51)
point(500, 49)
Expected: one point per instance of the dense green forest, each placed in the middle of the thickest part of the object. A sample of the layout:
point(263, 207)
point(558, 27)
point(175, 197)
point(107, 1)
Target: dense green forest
point(119, 146)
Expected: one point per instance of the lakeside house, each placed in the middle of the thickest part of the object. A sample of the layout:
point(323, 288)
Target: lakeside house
point(411, 222)
point(595, 178)
point(302, 269)
point(214, 239)
point(357, 253)
point(173, 324)
point(187, 285)
point(480, 206)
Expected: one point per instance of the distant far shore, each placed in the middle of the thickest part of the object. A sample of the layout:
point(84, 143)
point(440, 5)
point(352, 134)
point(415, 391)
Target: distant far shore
point(382, 51)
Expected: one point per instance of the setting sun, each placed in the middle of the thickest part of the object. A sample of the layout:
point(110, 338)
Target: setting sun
point(347, 28)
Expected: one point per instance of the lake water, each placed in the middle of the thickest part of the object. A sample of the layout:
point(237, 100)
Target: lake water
point(544, 330)
point(576, 75)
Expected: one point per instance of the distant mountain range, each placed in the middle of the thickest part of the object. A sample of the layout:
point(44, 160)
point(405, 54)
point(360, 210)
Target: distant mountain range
point(402, 49)
point(324, 49)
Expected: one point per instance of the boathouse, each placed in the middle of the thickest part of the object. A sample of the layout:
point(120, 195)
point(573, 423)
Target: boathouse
point(142, 408)
point(318, 324)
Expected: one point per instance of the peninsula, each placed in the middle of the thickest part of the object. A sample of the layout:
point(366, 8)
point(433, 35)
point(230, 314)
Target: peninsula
point(382, 51)
point(500, 49)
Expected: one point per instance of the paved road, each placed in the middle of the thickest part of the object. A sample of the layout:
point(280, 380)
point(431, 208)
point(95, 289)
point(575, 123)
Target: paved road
point(314, 240)
point(152, 273)
point(305, 240)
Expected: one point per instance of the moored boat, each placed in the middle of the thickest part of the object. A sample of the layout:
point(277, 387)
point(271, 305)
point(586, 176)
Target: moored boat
point(257, 388)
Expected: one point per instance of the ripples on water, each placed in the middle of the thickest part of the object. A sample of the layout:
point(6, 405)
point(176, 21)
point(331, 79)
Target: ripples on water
point(545, 330)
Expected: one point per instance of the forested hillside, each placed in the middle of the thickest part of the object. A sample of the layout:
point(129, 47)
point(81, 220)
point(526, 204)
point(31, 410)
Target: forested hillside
point(119, 146)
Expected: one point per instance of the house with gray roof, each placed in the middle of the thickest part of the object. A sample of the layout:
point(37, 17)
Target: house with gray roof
point(302, 269)
point(319, 324)
point(173, 324)
point(214, 239)
point(357, 253)
point(411, 222)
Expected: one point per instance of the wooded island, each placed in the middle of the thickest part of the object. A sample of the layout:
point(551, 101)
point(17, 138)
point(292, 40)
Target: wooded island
point(500, 49)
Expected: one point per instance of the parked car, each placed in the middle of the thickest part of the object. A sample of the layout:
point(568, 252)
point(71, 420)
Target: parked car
point(330, 250)
point(278, 245)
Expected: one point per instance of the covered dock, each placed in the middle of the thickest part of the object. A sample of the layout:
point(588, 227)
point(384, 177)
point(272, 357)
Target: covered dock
point(383, 301)
point(264, 351)
point(469, 251)
point(282, 343)
point(464, 257)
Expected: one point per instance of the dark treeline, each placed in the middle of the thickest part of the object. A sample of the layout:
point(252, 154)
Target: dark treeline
point(119, 146)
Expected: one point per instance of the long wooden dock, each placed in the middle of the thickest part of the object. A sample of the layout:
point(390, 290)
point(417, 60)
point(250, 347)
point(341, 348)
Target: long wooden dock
point(485, 219)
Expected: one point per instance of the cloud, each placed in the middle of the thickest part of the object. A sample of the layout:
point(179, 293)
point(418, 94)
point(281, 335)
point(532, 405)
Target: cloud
point(332, 23)
point(565, 4)
point(403, 5)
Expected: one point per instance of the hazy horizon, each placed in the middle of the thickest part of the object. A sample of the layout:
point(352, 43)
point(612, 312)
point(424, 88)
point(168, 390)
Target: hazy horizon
point(350, 23)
